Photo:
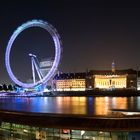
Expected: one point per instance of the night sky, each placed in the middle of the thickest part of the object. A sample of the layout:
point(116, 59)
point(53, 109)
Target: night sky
point(93, 33)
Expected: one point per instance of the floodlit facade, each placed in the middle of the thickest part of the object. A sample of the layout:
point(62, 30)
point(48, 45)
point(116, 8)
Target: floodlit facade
point(98, 79)
point(70, 85)
point(138, 83)
point(70, 82)
point(113, 79)
point(110, 81)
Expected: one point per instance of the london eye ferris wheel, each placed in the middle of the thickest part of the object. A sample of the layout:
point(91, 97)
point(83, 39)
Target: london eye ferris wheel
point(58, 51)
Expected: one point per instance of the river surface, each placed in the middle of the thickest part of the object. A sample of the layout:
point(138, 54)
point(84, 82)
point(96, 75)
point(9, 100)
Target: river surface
point(89, 106)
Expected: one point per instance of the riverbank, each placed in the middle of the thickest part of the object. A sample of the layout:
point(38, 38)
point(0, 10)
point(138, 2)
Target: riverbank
point(92, 93)
point(114, 93)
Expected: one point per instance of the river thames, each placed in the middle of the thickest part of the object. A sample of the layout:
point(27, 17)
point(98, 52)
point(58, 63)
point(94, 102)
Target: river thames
point(89, 106)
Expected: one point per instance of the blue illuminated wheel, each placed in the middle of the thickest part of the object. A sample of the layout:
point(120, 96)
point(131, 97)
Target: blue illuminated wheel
point(56, 38)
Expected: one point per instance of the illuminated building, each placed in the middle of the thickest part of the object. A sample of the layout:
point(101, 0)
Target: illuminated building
point(98, 79)
point(138, 79)
point(138, 83)
point(110, 81)
point(70, 82)
point(114, 79)
point(106, 79)
point(45, 65)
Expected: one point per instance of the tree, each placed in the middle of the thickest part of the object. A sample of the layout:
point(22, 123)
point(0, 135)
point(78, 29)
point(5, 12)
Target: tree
point(10, 87)
point(1, 87)
point(5, 87)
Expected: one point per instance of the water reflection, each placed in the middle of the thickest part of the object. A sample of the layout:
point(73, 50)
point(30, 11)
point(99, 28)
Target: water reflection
point(101, 105)
point(119, 103)
point(90, 106)
point(104, 104)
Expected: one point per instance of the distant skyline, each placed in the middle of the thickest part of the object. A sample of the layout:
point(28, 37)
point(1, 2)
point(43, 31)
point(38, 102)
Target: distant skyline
point(93, 33)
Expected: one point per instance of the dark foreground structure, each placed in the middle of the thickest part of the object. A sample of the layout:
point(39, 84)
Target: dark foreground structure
point(120, 123)
point(42, 126)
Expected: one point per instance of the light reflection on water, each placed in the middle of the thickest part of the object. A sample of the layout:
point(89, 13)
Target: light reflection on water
point(89, 106)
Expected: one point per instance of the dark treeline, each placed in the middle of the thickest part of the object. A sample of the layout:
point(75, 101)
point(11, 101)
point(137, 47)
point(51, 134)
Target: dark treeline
point(5, 87)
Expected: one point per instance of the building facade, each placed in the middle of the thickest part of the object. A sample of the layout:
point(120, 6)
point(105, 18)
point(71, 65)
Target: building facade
point(45, 65)
point(70, 82)
point(110, 81)
point(97, 79)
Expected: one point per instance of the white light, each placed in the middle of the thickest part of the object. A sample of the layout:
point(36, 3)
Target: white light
point(131, 113)
point(26, 131)
point(82, 132)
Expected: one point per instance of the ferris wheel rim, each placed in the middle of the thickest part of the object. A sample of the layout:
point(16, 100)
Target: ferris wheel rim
point(57, 43)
